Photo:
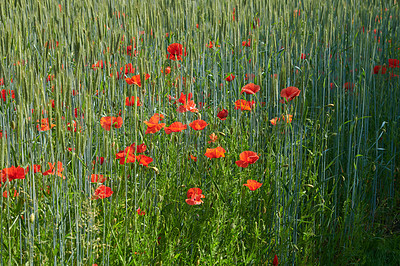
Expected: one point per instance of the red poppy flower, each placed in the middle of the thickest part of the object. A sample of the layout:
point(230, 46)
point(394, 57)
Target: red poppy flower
point(129, 49)
point(379, 70)
point(193, 158)
point(213, 138)
point(143, 160)
point(244, 105)
point(51, 171)
point(287, 118)
point(50, 44)
point(44, 126)
point(256, 23)
point(194, 196)
point(13, 173)
point(303, 56)
point(73, 127)
point(223, 114)
point(218, 152)
point(3, 94)
point(230, 78)
point(5, 194)
point(53, 105)
point(252, 185)
point(125, 70)
point(248, 44)
point(275, 262)
point(107, 50)
point(348, 86)
point(99, 160)
point(130, 101)
point(175, 127)
point(97, 178)
point(136, 80)
point(170, 99)
point(75, 92)
point(49, 78)
point(394, 63)
point(140, 212)
point(36, 168)
point(211, 45)
point(201, 104)
point(109, 121)
point(274, 121)
point(99, 64)
point(175, 51)
point(166, 71)
point(153, 124)
point(76, 112)
point(246, 158)
point(198, 124)
point(250, 89)
point(102, 192)
point(128, 155)
point(187, 104)
point(289, 93)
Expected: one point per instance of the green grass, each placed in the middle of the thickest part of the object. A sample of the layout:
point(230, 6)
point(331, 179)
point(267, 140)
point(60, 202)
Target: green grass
point(330, 177)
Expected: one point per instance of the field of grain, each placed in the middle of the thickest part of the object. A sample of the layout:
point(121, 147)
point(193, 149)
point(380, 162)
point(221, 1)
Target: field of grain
point(199, 132)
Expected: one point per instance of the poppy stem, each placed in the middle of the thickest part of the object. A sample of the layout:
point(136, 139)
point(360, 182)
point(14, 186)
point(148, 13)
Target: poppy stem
point(219, 191)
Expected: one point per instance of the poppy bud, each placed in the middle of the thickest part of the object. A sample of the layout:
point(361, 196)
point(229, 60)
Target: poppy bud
point(32, 217)
point(12, 125)
point(155, 169)
point(275, 262)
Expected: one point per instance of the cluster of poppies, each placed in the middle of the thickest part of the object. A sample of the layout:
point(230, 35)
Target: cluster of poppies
point(185, 103)
point(44, 125)
point(392, 64)
point(13, 173)
point(55, 169)
point(6, 93)
point(154, 124)
point(130, 155)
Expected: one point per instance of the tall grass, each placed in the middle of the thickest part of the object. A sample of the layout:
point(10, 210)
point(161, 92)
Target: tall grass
point(330, 177)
